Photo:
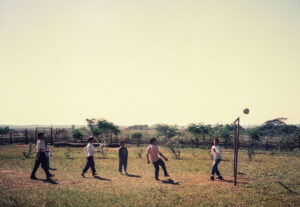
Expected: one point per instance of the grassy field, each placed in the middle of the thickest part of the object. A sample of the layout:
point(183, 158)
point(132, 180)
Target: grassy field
point(268, 180)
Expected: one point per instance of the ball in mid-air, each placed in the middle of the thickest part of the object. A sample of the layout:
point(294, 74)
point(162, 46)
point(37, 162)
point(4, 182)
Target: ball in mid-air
point(246, 111)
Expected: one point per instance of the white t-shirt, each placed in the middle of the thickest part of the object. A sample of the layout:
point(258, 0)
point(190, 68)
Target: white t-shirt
point(154, 152)
point(48, 151)
point(89, 150)
point(40, 144)
point(216, 152)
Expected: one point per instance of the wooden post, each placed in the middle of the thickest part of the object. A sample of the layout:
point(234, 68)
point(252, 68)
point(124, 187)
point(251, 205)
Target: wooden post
point(236, 148)
point(10, 138)
point(26, 136)
point(51, 136)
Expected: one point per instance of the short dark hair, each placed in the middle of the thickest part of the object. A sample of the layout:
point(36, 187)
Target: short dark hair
point(122, 141)
point(152, 140)
point(91, 138)
point(40, 134)
point(217, 140)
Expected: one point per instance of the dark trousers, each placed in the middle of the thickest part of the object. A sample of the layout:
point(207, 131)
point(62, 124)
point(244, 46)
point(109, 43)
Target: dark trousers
point(215, 169)
point(41, 159)
point(90, 163)
point(122, 162)
point(48, 162)
point(156, 166)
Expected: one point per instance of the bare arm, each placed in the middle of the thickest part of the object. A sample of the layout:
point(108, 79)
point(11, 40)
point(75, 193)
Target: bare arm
point(163, 156)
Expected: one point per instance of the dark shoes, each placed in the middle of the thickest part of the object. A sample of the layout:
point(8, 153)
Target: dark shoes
point(33, 178)
point(220, 178)
point(51, 175)
point(95, 174)
point(82, 174)
point(167, 175)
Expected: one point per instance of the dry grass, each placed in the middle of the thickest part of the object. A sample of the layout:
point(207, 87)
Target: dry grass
point(258, 181)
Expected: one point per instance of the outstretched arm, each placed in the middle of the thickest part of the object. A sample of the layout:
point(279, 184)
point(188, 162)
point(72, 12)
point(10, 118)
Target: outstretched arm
point(166, 159)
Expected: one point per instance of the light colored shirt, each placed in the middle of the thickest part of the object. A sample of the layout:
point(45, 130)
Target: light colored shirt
point(48, 151)
point(154, 152)
point(40, 146)
point(89, 150)
point(216, 152)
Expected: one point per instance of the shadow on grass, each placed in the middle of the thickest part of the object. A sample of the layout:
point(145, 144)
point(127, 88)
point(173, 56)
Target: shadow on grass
point(133, 176)
point(99, 178)
point(49, 180)
point(231, 181)
point(170, 181)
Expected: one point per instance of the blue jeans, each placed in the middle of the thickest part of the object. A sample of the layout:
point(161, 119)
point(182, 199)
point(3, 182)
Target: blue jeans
point(122, 162)
point(48, 163)
point(215, 169)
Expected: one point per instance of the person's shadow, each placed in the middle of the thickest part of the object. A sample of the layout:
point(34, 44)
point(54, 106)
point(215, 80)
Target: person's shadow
point(49, 180)
point(133, 176)
point(170, 181)
point(99, 178)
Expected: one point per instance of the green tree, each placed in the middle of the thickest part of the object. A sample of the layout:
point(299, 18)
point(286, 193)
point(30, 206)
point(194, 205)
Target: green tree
point(168, 131)
point(4, 130)
point(137, 136)
point(254, 135)
point(103, 129)
point(226, 134)
point(198, 131)
point(77, 134)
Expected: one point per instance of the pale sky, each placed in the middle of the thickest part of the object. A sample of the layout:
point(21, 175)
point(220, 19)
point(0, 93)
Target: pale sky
point(149, 61)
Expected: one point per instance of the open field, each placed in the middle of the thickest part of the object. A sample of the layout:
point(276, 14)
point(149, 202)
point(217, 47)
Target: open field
point(268, 180)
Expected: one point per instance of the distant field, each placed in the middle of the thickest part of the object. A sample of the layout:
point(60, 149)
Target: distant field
point(268, 180)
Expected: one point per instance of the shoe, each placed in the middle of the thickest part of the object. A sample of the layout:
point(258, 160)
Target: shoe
point(121, 173)
point(82, 174)
point(167, 175)
point(33, 178)
point(126, 173)
point(157, 179)
point(51, 175)
point(220, 178)
point(95, 174)
point(212, 178)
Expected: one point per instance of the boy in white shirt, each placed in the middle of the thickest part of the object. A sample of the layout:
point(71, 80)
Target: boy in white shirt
point(216, 152)
point(153, 152)
point(90, 151)
point(40, 157)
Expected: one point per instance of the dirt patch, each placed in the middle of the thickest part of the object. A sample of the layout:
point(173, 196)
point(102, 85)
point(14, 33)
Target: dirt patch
point(6, 171)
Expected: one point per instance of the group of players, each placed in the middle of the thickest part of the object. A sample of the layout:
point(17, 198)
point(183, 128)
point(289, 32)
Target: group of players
point(153, 153)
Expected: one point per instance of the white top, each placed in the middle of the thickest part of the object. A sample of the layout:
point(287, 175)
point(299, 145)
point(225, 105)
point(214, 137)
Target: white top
point(216, 152)
point(154, 152)
point(40, 144)
point(48, 151)
point(89, 150)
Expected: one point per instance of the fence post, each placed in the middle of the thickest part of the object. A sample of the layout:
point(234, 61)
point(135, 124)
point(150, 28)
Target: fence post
point(51, 136)
point(26, 136)
point(10, 138)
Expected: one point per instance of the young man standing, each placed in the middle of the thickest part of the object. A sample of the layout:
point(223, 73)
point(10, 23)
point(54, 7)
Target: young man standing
point(153, 152)
point(123, 157)
point(89, 152)
point(216, 152)
point(40, 157)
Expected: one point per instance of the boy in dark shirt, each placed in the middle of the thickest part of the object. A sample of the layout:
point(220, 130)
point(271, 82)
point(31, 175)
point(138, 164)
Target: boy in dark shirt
point(123, 156)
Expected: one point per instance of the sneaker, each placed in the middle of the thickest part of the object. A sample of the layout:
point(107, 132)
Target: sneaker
point(126, 173)
point(121, 173)
point(33, 178)
point(167, 175)
point(212, 178)
point(220, 178)
point(157, 179)
point(95, 174)
point(51, 175)
point(82, 174)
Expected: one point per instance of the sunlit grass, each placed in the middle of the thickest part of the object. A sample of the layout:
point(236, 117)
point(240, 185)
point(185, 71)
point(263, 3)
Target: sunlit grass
point(258, 180)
